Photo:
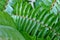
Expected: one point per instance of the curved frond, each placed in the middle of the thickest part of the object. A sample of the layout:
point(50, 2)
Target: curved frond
point(35, 22)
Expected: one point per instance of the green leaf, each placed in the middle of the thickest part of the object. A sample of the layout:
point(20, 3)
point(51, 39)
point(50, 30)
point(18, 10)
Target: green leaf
point(6, 19)
point(9, 33)
point(3, 4)
point(27, 36)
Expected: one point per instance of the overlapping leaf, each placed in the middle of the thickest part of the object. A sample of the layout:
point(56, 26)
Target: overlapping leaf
point(9, 33)
point(6, 19)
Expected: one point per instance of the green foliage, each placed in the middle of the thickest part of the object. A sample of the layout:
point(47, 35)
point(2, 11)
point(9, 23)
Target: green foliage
point(3, 4)
point(32, 23)
point(9, 33)
point(5, 19)
point(53, 4)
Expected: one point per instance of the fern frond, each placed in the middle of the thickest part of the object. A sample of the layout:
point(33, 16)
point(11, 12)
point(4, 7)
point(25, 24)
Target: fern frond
point(35, 22)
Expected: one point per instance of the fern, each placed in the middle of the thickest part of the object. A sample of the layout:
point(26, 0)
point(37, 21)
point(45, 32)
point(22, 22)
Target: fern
point(35, 22)
point(31, 23)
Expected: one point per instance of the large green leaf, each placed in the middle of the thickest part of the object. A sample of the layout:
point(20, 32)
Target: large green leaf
point(6, 19)
point(7, 28)
point(9, 33)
